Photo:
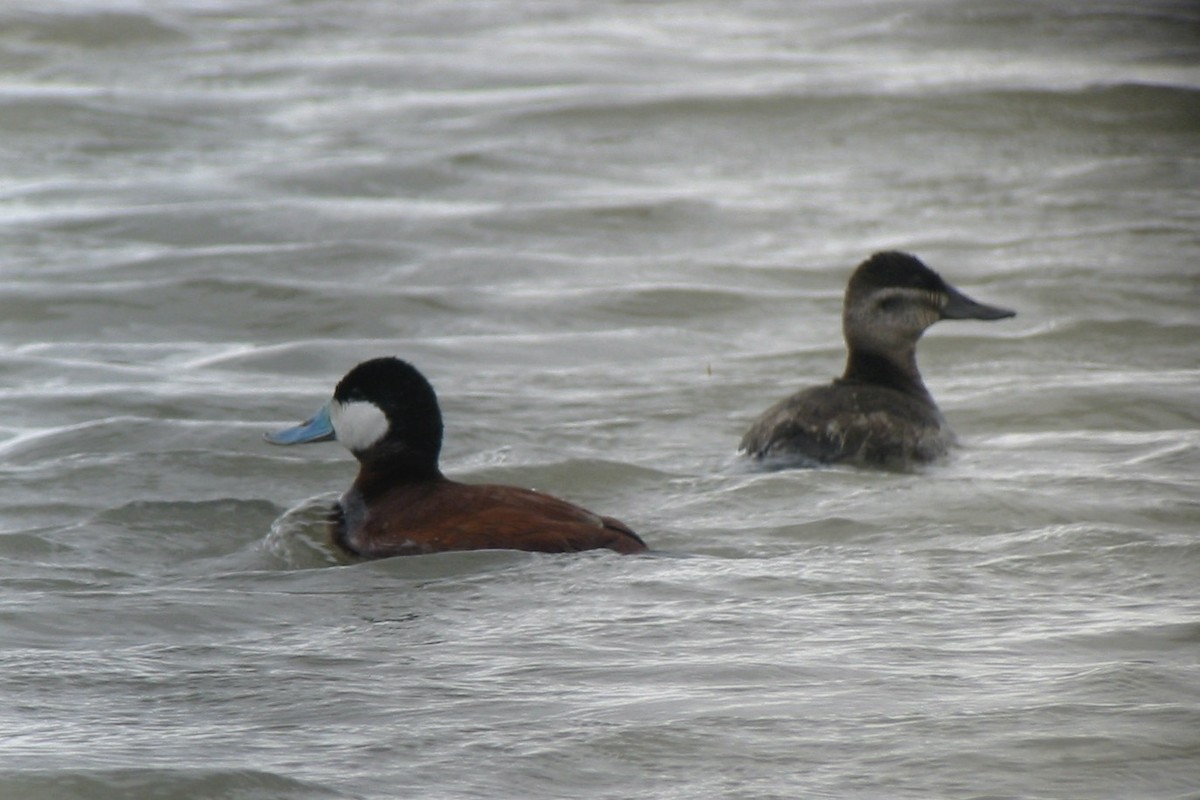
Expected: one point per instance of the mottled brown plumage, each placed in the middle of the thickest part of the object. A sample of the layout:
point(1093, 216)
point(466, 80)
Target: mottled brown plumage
point(862, 424)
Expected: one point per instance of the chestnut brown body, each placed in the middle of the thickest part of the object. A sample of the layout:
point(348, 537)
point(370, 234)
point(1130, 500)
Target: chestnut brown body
point(436, 515)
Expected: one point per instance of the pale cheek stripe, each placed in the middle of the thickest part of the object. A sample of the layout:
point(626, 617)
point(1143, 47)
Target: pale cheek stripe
point(358, 425)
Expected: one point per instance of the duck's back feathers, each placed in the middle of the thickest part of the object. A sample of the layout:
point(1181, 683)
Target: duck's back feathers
point(849, 422)
point(441, 515)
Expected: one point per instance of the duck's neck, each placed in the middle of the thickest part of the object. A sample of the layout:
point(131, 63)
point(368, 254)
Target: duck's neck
point(894, 370)
point(350, 515)
point(377, 477)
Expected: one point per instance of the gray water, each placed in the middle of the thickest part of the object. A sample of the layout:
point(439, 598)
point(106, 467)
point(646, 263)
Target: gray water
point(610, 233)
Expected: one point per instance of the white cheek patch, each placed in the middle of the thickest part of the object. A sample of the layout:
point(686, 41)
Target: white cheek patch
point(358, 425)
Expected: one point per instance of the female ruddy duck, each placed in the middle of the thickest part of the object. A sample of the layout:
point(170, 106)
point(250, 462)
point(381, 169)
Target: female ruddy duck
point(387, 415)
point(879, 413)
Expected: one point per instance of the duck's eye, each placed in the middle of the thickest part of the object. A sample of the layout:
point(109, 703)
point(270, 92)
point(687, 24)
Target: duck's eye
point(355, 396)
point(890, 304)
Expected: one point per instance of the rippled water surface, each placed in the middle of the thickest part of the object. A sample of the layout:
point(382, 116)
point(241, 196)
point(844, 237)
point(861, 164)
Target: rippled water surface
point(610, 233)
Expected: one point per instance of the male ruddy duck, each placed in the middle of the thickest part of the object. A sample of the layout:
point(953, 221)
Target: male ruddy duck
point(879, 413)
point(385, 412)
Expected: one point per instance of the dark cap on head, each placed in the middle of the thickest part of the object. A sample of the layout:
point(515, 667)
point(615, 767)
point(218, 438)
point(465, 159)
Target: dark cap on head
point(895, 269)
